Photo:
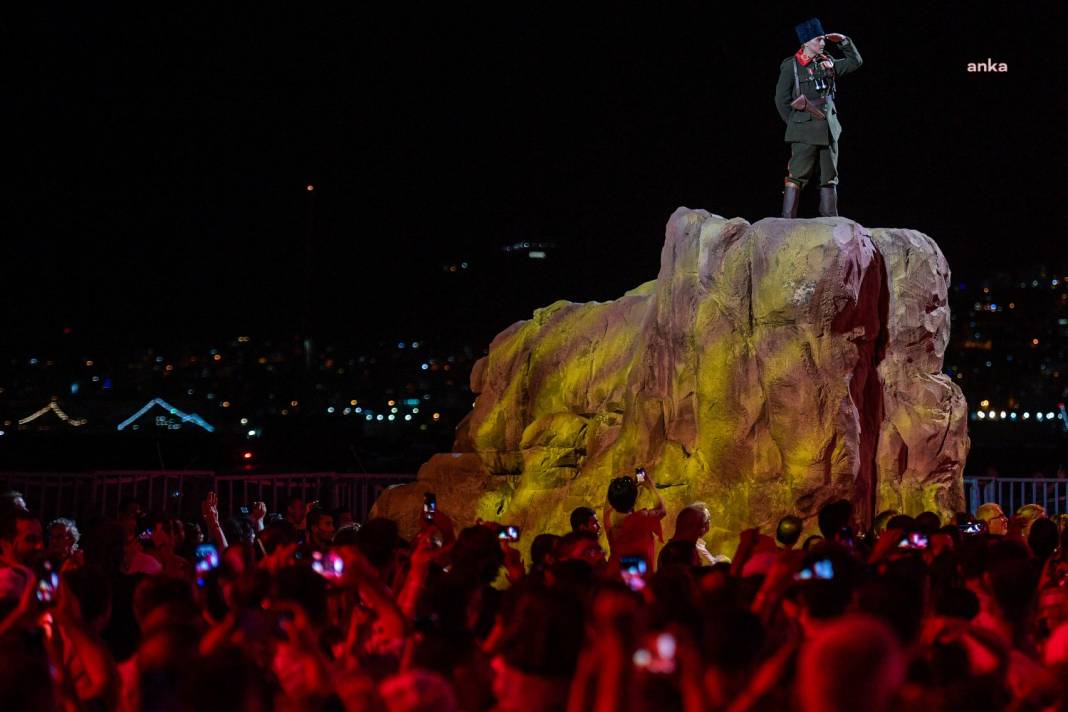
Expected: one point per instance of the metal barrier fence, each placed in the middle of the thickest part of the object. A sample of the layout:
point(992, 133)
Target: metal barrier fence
point(1014, 492)
point(82, 494)
point(352, 492)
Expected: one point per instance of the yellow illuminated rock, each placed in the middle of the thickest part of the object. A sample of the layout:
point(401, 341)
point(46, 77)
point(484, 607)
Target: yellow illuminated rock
point(769, 368)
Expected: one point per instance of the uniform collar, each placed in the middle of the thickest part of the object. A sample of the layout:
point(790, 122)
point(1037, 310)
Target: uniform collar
point(800, 57)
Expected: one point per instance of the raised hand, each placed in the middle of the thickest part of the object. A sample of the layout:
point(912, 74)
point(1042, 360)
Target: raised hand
point(834, 37)
point(258, 511)
point(210, 508)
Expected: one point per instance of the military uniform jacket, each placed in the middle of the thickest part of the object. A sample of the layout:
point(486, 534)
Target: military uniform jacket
point(801, 126)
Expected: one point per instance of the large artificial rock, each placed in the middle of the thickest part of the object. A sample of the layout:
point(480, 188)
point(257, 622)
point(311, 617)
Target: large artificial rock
point(768, 369)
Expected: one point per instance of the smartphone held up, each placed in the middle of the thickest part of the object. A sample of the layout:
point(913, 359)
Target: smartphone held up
point(633, 569)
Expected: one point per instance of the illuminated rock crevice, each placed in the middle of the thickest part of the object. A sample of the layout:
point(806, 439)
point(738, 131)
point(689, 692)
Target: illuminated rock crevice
point(768, 369)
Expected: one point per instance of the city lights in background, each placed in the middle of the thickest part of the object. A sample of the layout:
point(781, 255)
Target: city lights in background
point(1059, 415)
point(171, 423)
point(53, 407)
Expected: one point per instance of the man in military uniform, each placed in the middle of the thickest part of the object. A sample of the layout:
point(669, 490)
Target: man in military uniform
point(804, 98)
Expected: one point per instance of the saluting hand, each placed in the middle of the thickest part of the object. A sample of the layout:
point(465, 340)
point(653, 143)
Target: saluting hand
point(834, 37)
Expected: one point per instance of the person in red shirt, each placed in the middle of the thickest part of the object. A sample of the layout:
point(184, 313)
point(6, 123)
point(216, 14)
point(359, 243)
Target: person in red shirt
point(633, 532)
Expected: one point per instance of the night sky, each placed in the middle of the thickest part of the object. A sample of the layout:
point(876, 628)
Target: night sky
point(157, 155)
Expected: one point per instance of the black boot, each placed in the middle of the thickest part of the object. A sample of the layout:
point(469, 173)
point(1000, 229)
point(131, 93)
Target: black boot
point(790, 194)
point(829, 201)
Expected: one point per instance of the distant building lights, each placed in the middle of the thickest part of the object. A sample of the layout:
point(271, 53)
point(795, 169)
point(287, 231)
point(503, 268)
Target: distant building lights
point(54, 408)
point(184, 417)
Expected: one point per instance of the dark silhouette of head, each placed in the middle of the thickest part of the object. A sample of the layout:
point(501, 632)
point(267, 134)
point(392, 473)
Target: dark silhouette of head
point(1043, 538)
point(928, 523)
point(543, 549)
point(622, 494)
point(580, 518)
point(789, 530)
point(834, 517)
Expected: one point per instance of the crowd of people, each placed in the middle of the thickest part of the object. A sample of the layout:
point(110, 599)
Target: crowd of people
point(308, 610)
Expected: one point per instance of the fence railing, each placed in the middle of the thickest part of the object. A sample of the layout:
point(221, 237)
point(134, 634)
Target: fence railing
point(1014, 492)
point(81, 494)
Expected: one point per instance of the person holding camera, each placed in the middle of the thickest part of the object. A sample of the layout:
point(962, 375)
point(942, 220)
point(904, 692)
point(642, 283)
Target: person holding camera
point(633, 532)
point(804, 98)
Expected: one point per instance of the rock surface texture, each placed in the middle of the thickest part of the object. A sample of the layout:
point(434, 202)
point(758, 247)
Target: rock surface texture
point(769, 368)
